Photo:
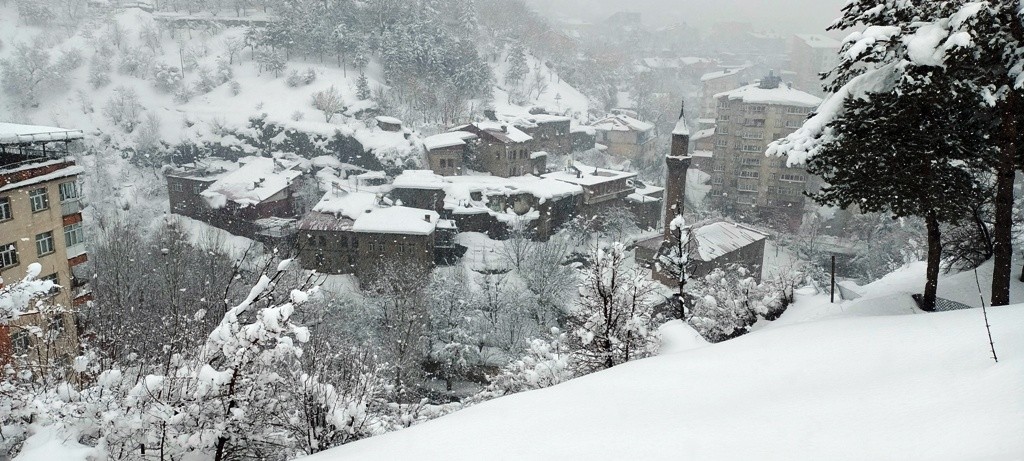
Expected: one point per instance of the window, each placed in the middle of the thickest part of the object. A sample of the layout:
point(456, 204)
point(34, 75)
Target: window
point(794, 123)
point(52, 278)
point(44, 243)
point(40, 201)
point(68, 191)
point(797, 110)
point(717, 180)
point(723, 118)
point(758, 109)
point(8, 255)
point(754, 122)
point(197, 188)
point(721, 142)
point(746, 187)
point(792, 177)
point(722, 130)
point(752, 162)
point(20, 342)
point(718, 167)
point(73, 234)
point(751, 148)
point(5, 209)
point(753, 134)
point(177, 187)
point(750, 174)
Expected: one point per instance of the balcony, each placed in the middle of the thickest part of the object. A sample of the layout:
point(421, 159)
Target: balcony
point(71, 206)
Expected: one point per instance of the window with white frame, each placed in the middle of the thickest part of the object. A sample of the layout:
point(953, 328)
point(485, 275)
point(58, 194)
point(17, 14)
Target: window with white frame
point(8, 255)
point(73, 234)
point(751, 148)
point(758, 109)
point(39, 199)
point(20, 342)
point(69, 191)
point(44, 244)
point(721, 142)
point(752, 162)
point(792, 177)
point(5, 209)
point(177, 187)
point(750, 174)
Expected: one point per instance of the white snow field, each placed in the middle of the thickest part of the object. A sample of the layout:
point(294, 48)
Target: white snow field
point(874, 383)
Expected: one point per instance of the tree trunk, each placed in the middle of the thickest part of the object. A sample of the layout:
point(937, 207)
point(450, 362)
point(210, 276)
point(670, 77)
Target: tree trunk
point(931, 286)
point(1002, 235)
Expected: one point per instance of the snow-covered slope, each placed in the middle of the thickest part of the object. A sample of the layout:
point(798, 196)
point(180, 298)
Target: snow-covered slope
point(911, 386)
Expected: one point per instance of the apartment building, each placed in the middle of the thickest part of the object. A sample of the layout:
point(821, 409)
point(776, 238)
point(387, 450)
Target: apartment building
point(41, 222)
point(743, 179)
point(810, 55)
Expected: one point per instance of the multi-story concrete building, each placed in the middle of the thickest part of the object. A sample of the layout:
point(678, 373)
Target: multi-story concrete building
point(41, 223)
point(717, 82)
point(810, 55)
point(743, 179)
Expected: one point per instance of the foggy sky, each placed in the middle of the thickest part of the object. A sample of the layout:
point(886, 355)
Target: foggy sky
point(783, 16)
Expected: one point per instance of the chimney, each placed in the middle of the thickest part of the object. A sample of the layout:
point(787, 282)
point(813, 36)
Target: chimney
point(491, 115)
point(504, 128)
point(426, 218)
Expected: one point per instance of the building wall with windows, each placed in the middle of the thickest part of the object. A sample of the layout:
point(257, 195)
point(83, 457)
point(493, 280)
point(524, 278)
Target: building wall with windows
point(41, 222)
point(743, 178)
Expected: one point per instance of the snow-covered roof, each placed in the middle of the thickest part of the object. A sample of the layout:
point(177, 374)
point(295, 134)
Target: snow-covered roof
point(388, 120)
point(585, 175)
point(819, 41)
point(316, 221)
point(70, 170)
point(535, 119)
point(720, 238)
point(537, 155)
point(510, 131)
point(12, 133)
point(397, 220)
point(673, 63)
point(621, 123)
point(703, 153)
point(782, 95)
point(681, 128)
point(449, 139)
point(641, 198)
point(258, 179)
point(702, 134)
point(344, 202)
point(722, 73)
point(459, 189)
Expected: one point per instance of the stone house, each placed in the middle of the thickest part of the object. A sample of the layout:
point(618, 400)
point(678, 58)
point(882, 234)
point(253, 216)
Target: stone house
point(625, 136)
point(249, 199)
point(550, 133)
point(504, 150)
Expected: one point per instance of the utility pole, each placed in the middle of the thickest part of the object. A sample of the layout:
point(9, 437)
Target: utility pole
point(833, 300)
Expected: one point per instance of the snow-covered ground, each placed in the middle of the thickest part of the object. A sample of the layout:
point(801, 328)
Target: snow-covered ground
point(872, 378)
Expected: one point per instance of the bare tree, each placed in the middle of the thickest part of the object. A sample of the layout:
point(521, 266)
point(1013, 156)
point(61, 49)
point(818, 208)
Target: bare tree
point(329, 102)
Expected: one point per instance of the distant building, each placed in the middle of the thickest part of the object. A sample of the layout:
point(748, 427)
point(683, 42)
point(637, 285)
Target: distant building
point(254, 198)
point(550, 133)
point(490, 204)
point(352, 232)
point(41, 222)
point(716, 82)
point(625, 136)
point(811, 55)
point(602, 188)
point(743, 179)
point(716, 245)
point(386, 123)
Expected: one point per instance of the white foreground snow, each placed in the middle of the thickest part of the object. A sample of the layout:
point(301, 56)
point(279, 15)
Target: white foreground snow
point(891, 386)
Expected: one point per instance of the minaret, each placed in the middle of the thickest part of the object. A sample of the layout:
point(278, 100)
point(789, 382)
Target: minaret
point(677, 162)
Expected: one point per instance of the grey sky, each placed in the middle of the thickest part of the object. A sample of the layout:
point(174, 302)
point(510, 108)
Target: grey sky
point(775, 15)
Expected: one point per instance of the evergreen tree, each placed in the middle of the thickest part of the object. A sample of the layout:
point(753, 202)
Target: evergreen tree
point(517, 67)
point(963, 55)
point(363, 87)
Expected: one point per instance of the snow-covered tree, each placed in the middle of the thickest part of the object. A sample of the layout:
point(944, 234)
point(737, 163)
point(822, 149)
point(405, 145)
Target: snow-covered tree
point(970, 54)
point(124, 109)
point(451, 335)
point(547, 362)
point(613, 322)
point(363, 87)
point(727, 302)
point(329, 102)
point(517, 66)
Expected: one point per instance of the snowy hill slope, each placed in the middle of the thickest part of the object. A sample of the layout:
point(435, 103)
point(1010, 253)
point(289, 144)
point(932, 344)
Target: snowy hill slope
point(919, 386)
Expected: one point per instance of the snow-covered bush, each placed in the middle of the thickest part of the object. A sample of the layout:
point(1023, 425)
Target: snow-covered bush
point(224, 72)
point(727, 302)
point(206, 82)
point(124, 109)
point(546, 363)
point(296, 79)
point(135, 62)
point(166, 77)
point(236, 88)
point(184, 94)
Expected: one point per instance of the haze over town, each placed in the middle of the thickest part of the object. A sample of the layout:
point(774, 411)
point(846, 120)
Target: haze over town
point(511, 229)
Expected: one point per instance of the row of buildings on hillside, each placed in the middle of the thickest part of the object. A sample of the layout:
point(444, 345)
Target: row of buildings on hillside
point(42, 233)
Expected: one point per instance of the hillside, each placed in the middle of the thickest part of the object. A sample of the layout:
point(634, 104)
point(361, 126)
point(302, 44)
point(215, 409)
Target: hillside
point(867, 379)
point(117, 44)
